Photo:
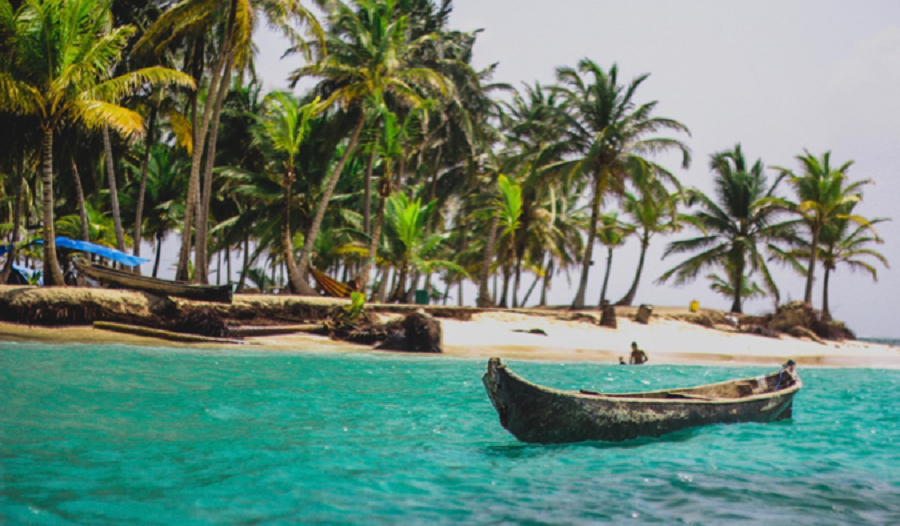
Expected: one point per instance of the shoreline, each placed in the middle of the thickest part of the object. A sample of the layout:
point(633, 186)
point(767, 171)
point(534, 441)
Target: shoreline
point(667, 342)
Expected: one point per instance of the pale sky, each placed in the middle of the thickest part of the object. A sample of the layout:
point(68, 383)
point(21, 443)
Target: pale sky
point(776, 76)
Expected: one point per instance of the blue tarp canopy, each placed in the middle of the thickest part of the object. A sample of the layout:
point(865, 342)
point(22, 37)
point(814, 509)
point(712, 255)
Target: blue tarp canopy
point(109, 253)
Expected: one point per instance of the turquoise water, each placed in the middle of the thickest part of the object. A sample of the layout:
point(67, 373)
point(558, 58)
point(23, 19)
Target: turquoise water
point(113, 435)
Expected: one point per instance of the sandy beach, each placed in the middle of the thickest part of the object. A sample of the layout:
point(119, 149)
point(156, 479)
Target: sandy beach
point(666, 341)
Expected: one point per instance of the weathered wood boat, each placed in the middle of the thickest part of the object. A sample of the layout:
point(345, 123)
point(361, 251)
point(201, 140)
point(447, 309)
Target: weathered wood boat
point(128, 280)
point(537, 414)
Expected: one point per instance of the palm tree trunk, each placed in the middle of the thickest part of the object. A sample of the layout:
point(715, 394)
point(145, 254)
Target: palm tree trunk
point(537, 278)
point(295, 279)
point(826, 313)
point(201, 263)
point(609, 259)
point(53, 275)
point(813, 256)
point(198, 139)
point(447, 293)
point(113, 192)
point(629, 297)
point(484, 295)
point(323, 205)
point(506, 275)
point(367, 196)
point(245, 267)
point(139, 206)
point(228, 264)
point(82, 210)
point(373, 246)
point(516, 283)
point(159, 240)
point(382, 285)
point(589, 247)
point(546, 287)
point(738, 282)
point(459, 291)
point(17, 220)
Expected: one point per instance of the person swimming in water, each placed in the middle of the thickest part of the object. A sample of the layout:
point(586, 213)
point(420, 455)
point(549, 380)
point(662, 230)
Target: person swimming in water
point(638, 356)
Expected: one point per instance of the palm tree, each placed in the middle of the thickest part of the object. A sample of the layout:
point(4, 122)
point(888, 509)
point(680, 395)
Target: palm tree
point(164, 190)
point(411, 247)
point(507, 208)
point(613, 234)
point(842, 242)
point(610, 137)
point(822, 198)
point(733, 228)
point(370, 57)
point(285, 126)
point(654, 212)
point(191, 22)
point(58, 69)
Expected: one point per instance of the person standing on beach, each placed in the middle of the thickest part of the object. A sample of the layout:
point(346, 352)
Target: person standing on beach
point(638, 356)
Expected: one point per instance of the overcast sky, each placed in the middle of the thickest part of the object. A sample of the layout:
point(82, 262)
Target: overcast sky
point(776, 76)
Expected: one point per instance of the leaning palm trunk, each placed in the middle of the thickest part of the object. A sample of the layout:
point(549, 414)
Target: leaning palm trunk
point(323, 205)
point(159, 240)
point(82, 210)
point(139, 206)
point(629, 297)
point(589, 247)
point(826, 313)
point(295, 279)
point(813, 253)
point(199, 139)
point(484, 295)
point(17, 221)
point(537, 278)
point(201, 260)
point(113, 192)
point(53, 275)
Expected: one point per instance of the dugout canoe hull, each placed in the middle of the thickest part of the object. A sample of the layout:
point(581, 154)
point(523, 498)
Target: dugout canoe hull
point(537, 414)
point(128, 280)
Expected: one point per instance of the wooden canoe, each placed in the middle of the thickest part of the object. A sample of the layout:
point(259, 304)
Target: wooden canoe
point(537, 414)
point(128, 280)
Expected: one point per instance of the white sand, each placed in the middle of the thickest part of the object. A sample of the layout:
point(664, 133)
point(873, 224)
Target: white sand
point(664, 341)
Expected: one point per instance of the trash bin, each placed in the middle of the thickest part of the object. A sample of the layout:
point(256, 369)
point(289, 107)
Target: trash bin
point(421, 297)
point(695, 306)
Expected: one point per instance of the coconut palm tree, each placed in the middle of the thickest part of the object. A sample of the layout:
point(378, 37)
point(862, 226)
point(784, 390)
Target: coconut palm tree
point(655, 211)
point(745, 216)
point(613, 234)
point(230, 26)
point(57, 69)
point(285, 126)
point(167, 170)
point(611, 135)
point(843, 240)
point(822, 197)
point(411, 247)
point(370, 57)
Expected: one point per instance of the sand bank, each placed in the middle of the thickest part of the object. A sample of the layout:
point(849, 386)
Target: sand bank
point(666, 341)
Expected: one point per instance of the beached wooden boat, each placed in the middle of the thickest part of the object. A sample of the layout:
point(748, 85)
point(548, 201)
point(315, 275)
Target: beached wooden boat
point(537, 414)
point(128, 280)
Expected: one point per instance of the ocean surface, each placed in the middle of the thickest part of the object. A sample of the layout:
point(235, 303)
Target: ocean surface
point(126, 435)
